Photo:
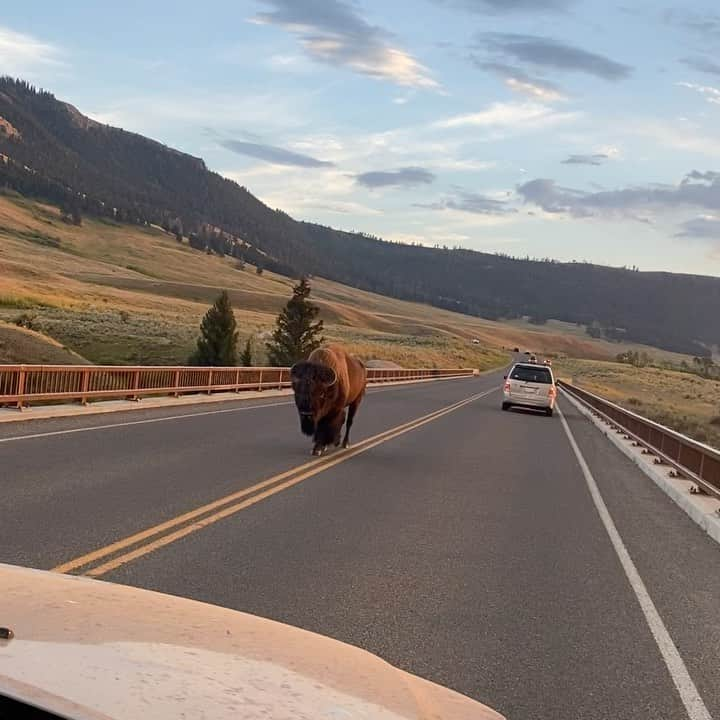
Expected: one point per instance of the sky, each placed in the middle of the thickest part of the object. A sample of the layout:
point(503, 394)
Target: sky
point(571, 129)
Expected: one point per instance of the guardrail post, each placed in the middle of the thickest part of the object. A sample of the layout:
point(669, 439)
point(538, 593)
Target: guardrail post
point(85, 386)
point(21, 387)
point(210, 379)
point(280, 380)
point(260, 385)
point(136, 385)
point(237, 380)
point(176, 383)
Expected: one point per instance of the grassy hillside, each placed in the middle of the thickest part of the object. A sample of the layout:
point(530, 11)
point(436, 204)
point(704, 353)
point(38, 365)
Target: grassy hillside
point(119, 293)
point(19, 345)
point(95, 170)
point(687, 403)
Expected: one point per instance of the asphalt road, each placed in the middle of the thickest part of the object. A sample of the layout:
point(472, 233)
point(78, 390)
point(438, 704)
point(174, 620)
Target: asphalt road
point(465, 548)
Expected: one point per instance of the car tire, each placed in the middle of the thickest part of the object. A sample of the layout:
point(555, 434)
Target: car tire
point(549, 412)
point(506, 406)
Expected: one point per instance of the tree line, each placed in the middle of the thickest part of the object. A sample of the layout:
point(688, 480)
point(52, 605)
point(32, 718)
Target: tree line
point(92, 169)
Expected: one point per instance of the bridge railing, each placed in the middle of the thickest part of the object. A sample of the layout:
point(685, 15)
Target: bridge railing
point(21, 385)
point(692, 459)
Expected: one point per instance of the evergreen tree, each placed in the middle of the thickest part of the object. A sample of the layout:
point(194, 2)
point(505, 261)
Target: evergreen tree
point(246, 358)
point(297, 334)
point(217, 344)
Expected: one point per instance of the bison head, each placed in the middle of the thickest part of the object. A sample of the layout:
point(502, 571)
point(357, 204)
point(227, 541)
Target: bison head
point(314, 386)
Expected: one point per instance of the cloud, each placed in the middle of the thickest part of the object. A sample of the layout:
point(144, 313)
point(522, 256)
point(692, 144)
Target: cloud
point(403, 177)
point(705, 227)
point(701, 190)
point(287, 63)
point(712, 94)
point(545, 52)
point(470, 202)
point(304, 195)
point(272, 154)
point(595, 159)
point(519, 81)
point(517, 115)
point(702, 64)
point(509, 6)
point(685, 136)
point(22, 55)
point(707, 176)
point(332, 32)
point(706, 25)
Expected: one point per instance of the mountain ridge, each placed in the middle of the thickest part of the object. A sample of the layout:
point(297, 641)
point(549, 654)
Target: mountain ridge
point(59, 154)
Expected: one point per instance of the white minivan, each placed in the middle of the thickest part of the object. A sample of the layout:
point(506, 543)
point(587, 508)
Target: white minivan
point(531, 386)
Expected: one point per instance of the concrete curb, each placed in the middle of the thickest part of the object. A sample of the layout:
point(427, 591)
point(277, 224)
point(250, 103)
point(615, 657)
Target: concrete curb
point(47, 412)
point(702, 509)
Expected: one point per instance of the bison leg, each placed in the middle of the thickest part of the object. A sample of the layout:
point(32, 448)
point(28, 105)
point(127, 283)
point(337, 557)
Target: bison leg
point(350, 417)
point(328, 432)
point(324, 434)
point(337, 427)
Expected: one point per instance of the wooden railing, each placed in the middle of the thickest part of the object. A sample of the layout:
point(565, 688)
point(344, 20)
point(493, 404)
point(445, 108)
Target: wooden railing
point(21, 385)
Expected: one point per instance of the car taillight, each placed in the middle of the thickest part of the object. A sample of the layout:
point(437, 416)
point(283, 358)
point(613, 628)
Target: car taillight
point(507, 386)
point(552, 392)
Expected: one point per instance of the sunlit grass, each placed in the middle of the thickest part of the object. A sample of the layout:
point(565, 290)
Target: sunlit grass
point(77, 280)
point(685, 402)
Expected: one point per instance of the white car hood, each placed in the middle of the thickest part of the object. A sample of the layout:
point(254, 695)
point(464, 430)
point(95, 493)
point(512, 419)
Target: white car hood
point(87, 649)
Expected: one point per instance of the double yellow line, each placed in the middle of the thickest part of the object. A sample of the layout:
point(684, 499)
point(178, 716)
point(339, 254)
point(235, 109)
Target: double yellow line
point(108, 558)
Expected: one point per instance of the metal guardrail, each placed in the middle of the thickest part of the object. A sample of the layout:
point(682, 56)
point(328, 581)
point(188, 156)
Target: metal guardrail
point(21, 385)
point(692, 459)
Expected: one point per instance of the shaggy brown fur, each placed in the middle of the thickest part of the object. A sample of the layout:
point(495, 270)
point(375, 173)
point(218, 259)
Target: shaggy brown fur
point(325, 384)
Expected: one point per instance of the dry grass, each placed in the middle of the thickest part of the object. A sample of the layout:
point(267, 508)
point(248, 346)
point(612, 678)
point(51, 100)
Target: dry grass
point(34, 348)
point(687, 403)
point(78, 280)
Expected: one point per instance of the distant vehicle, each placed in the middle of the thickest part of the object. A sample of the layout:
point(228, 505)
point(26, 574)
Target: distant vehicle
point(533, 358)
point(82, 649)
point(530, 386)
point(517, 350)
point(546, 361)
point(475, 341)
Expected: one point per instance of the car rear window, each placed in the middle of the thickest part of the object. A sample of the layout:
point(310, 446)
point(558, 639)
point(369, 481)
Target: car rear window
point(531, 374)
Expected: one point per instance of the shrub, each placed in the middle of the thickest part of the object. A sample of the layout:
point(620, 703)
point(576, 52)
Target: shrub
point(27, 320)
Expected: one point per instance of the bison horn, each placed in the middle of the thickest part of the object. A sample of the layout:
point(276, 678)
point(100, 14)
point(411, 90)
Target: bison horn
point(334, 377)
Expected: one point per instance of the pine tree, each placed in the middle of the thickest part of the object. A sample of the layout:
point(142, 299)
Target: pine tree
point(217, 344)
point(246, 358)
point(296, 334)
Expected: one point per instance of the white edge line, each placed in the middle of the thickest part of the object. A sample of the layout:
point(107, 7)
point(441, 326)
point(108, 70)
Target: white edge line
point(694, 705)
point(707, 520)
point(148, 421)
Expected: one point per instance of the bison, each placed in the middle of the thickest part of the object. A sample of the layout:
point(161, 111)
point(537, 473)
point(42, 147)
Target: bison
point(325, 384)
